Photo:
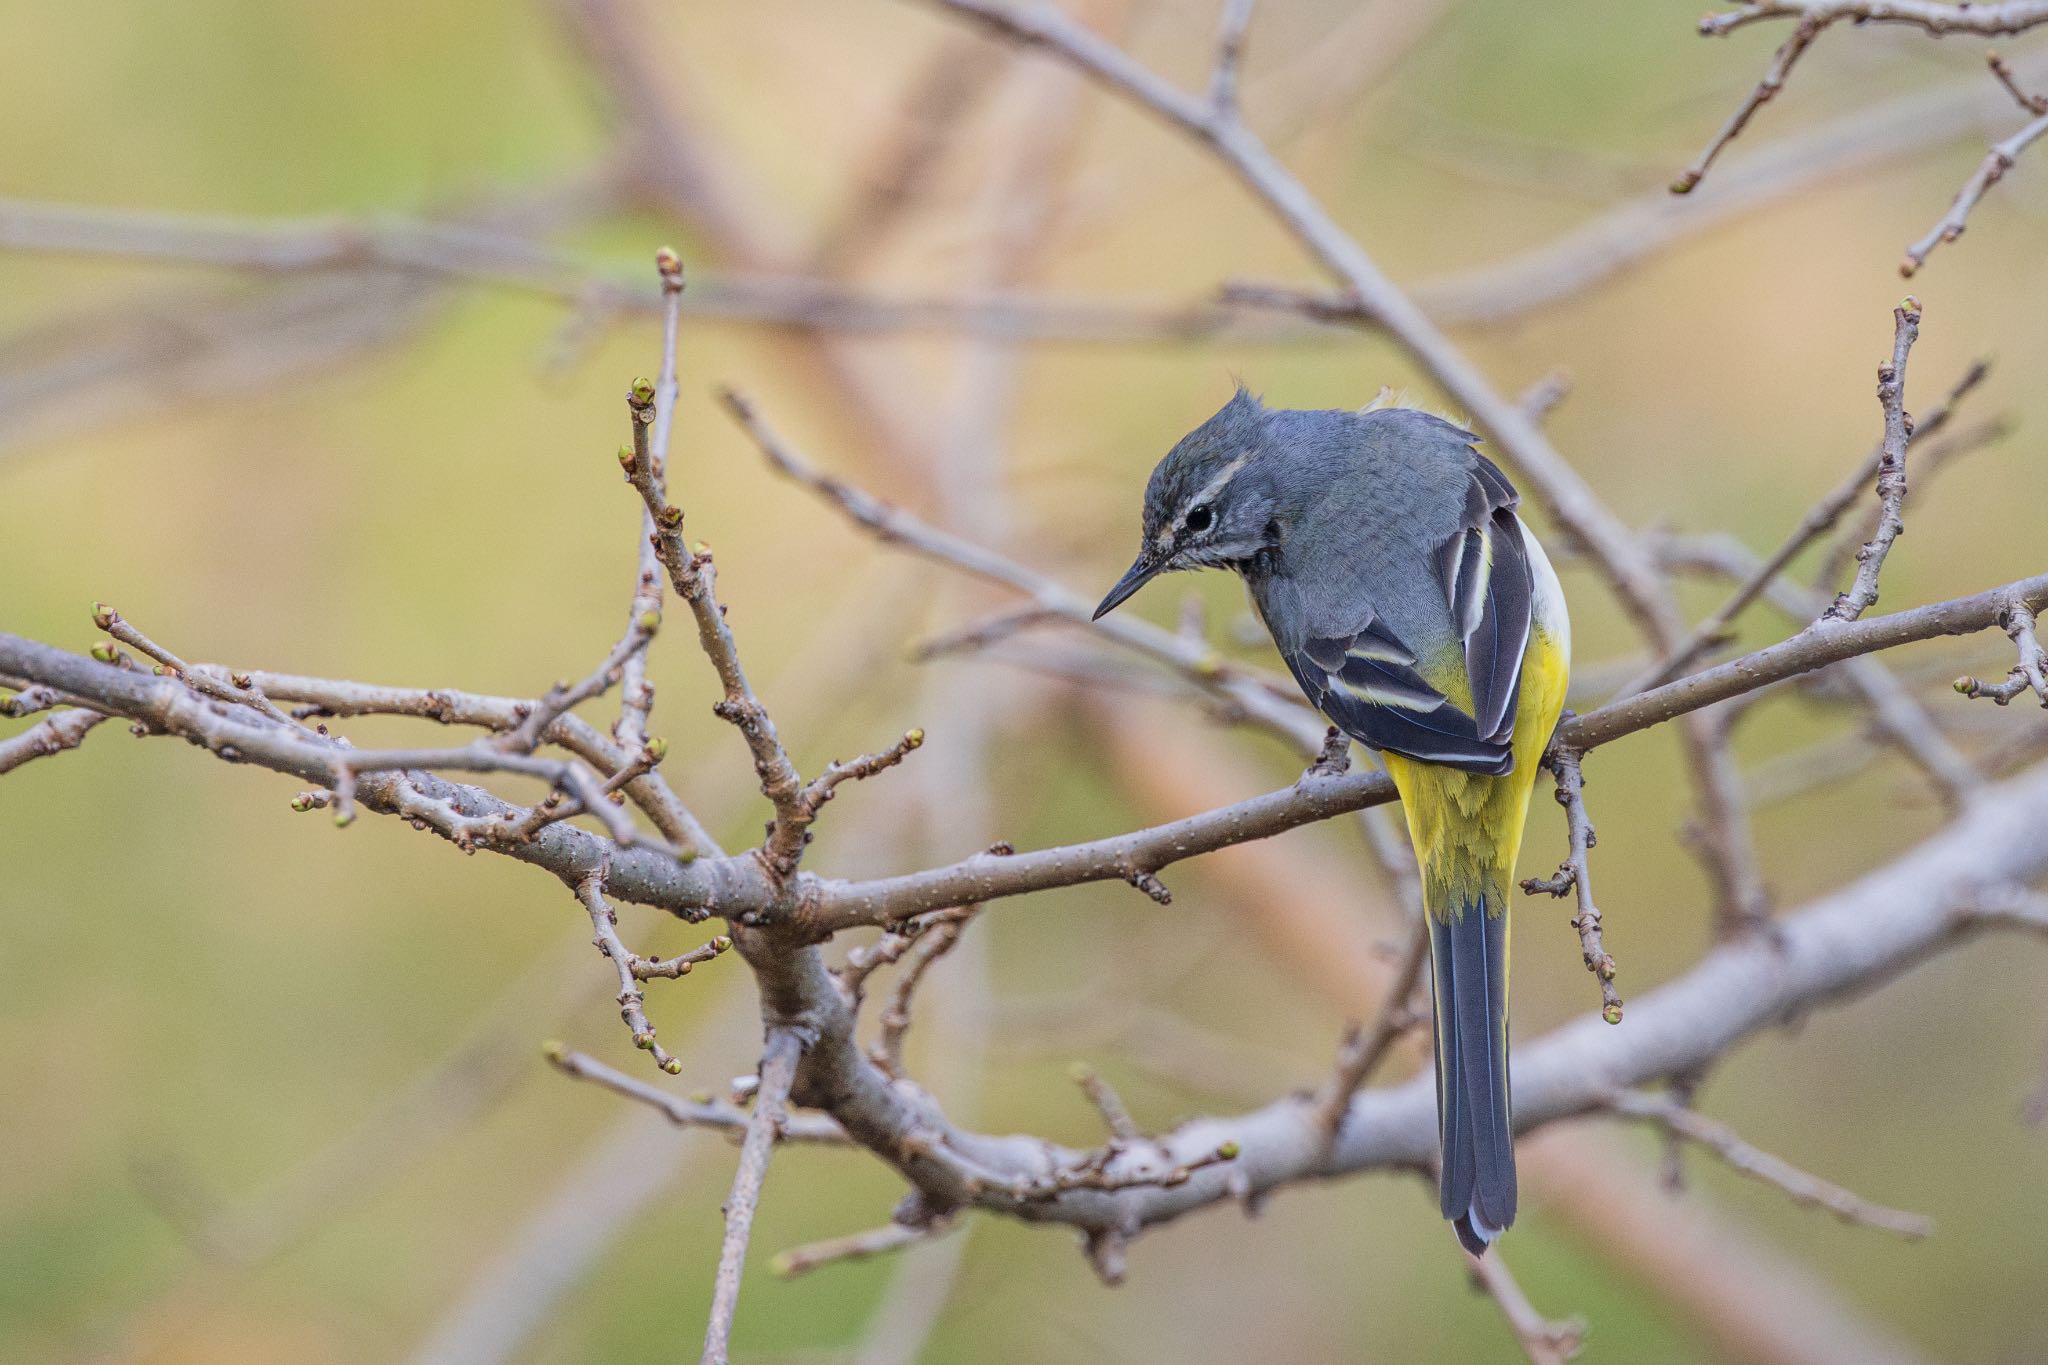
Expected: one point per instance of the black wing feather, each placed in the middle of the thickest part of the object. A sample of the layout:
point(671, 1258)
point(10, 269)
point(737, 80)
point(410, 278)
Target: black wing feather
point(1494, 648)
point(1367, 683)
point(1425, 726)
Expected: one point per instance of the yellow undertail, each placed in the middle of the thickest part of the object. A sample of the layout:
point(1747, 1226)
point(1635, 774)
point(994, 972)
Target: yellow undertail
point(1467, 832)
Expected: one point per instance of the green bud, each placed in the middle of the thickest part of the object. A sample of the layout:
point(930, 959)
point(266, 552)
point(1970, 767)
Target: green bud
point(720, 944)
point(1228, 1151)
point(657, 749)
point(105, 652)
point(913, 739)
point(344, 818)
point(104, 615)
point(671, 516)
point(644, 1041)
point(643, 390)
point(1612, 1014)
point(650, 621)
point(1965, 684)
point(626, 458)
point(673, 1066)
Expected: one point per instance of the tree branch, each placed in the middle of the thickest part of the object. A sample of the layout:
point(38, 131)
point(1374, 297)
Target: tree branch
point(1891, 468)
point(1682, 1121)
point(779, 1058)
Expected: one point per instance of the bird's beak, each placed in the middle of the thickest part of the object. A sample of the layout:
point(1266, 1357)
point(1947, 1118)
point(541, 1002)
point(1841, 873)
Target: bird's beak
point(1137, 576)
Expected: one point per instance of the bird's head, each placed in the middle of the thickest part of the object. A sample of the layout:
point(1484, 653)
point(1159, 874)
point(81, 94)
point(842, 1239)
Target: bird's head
point(1209, 502)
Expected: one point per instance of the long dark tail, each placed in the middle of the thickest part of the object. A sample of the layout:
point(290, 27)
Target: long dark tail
point(1469, 950)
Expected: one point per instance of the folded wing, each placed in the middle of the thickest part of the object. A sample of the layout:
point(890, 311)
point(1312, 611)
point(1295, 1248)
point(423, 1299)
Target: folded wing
point(1369, 684)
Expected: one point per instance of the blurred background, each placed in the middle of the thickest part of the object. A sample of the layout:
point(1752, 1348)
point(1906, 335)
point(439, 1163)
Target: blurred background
point(271, 1091)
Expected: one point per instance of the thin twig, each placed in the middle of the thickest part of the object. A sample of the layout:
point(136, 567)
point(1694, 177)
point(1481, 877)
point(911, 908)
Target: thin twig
point(1895, 712)
point(693, 575)
point(1989, 172)
point(564, 697)
point(858, 1246)
point(1782, 61)
point(1230, 32)
point(2005, 76)
point(634, 969)
point(1116, 1115)
point(1364, 1048)
point(1891, 468)
point(1273, 703)
point(1748, 1159)
point(1819, 520)
point(47, 737)
point(1543, 1341)
point(636, 694)
point(779, 1057)
point(698, 1112)
point(932, 944)
point(1574, 875)
point(2031, 671)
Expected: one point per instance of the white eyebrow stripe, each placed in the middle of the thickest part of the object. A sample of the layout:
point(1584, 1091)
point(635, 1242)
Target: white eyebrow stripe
point(1215, 485)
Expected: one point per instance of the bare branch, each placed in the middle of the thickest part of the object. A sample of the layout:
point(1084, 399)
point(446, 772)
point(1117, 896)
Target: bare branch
point(1895, 712)
point(936, 940)
point(694, 577)
point(1543, 1341)
point(636, 694)
point(822, 788)
point(1553, 483)
point(1891, 468)
point(634, 969)
point(1574, 874)
point(2030, 672)
point(46, 738)
point(563, 697)
point(1773, 81)
point(1989, 172)
point(1816, 523)
point(1635, 230)
point(1682, 1121)
point(1230, 31)
point(740, 887)
point(1273, 703)
point(1364, 1048)
point(1934, 17)
point(1116, 1115)
point(858, 1246)
point(649, 791)
point(779, 1058)
point(1812, 17)
point(2004, 74)
point(702, 1112)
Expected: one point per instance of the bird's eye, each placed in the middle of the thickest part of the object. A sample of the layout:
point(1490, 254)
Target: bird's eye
point(1199, 517)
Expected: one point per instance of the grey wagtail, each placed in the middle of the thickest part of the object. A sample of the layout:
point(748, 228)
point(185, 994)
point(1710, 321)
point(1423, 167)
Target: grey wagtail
point(1423, 618)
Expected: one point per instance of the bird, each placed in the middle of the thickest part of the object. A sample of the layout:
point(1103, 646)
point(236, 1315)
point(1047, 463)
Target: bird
point(1420, 615)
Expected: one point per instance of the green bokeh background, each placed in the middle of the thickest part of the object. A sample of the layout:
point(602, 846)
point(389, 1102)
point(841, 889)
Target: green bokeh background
point(192, 977)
